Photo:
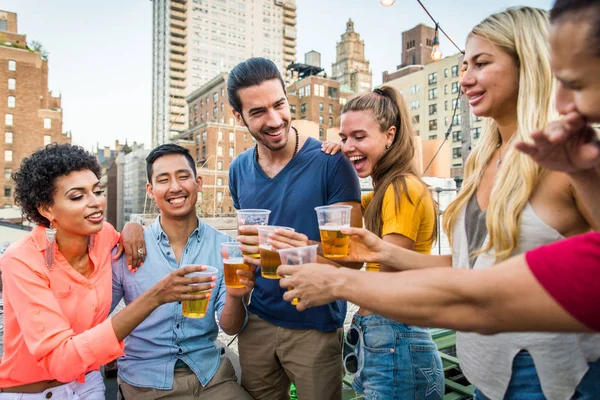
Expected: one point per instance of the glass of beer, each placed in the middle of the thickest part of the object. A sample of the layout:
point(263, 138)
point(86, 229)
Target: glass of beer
point(269, 259)
point(298, 256)
point(373, 267)
point(252, 217)
point(331, 220)
point(232, 261)
point(198, 308)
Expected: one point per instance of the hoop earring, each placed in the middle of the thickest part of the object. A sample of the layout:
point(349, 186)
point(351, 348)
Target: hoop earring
point(50, 246)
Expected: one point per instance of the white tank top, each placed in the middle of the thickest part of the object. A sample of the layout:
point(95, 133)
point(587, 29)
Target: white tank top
point(561, 360)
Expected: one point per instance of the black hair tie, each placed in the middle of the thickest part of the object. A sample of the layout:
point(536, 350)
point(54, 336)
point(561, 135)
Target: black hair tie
point(379, 92)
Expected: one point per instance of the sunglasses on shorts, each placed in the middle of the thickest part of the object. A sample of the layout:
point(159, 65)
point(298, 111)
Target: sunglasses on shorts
point(353, 359)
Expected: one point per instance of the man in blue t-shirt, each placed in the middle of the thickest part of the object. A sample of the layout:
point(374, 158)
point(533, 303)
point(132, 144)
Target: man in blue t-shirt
point(289, 175)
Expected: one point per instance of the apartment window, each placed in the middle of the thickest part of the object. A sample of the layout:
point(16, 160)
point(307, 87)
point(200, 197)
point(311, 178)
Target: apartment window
point(432, 78)
point(8, 137)
point(320, 90)
point(219, 196)
point(343, 100)
point(432, 109)
point(476, 118)
point(433, 94)
point(321, 107)
point(321, 134)
point(455, 70)
point(414, 89)
point(330, 121)
point(222, 106)
point(220, 165)
point(12, 84)
point(303, 107)
point(196, 107)
point(8, 119)
point(321, 119)
point(231, 137)
point(12, 102)
point(432, 124)
point(219, 181)
point(456, 104)
point(432, 137)
point(331, 109)
point(416, 119)
point(219, 151)
point(307, 90)
point(7, 191)
point(7, 173)
point(446, 121)
point(231, 152)
point(457, 152)
point(222, 92)
point(215, 97)
point(414, 105)
point(445, 72)
point(476, 133)
point(293, 108)
point(47, 123)
point(456, 136)
point(301, 92)
point(204, 136)
point(454, 87)
point(220, 136)
point(445, 89)
point(12, 65)
point(332, 93)
point(215, 112)
point(8, 155)
point(457, 120)
point(446, 105)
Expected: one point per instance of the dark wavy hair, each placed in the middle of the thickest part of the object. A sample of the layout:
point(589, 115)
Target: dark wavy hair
point(252, 72)
point(36, 177)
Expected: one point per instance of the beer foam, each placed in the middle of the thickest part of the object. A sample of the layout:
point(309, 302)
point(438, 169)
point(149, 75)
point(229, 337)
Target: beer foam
point(266, 247)
point(333, 227)
point(237, 260)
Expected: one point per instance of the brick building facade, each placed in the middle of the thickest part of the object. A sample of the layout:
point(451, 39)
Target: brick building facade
point(31, 117)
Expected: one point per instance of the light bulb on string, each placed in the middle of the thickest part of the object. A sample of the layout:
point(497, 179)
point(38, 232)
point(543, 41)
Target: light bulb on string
point(387, 3)
point(436, 53)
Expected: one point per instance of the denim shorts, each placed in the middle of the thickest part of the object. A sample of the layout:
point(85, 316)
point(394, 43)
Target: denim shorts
point(401, 362)
point(525, 385)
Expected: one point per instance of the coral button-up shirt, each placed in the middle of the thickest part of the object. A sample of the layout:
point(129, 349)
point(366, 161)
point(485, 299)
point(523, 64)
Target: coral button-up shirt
point(55, 324)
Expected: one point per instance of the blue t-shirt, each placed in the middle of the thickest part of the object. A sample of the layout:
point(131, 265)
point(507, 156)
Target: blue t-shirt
point(311, 179)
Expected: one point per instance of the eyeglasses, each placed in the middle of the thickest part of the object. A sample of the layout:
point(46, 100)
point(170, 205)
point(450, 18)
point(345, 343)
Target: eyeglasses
point(353, 360)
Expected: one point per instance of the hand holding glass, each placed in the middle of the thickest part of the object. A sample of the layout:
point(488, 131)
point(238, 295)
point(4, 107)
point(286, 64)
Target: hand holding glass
point(252, 217)
point(269, 259)
point(198, 308)
point(331, 220)
point(233, 260)
point(298, 256)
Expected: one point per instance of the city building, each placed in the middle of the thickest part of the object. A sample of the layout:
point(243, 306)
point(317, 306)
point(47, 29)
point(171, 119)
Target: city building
point(315, 97)
point(135, 198)
point(350, 67)
point(417, 44)
point(194, 41)
point(30, 115)
point(112, 162)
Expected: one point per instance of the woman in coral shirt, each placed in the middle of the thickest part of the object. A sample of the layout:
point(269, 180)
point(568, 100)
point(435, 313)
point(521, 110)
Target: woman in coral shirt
point(57, 283)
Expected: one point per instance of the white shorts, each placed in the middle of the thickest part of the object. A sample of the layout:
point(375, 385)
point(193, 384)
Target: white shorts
point(92, 389)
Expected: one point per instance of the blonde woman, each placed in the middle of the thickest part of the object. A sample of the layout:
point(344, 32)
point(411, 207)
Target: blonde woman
point(509, 205)
point(390, 359)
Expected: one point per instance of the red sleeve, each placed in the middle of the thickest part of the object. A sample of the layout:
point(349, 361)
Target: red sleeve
point(569, 270)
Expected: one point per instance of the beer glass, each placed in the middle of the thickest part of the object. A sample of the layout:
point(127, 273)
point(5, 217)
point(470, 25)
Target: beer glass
point(269, 259)
point(232, 261)
point(197, 308)
point(331, 220)
point(252, 217)
point(298, 256)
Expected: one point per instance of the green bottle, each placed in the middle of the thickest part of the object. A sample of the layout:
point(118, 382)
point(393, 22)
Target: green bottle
point(293, 395)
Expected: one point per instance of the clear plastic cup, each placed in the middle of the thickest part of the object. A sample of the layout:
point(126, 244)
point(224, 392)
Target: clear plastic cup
point(233, 260)
point(252, 217)
point(298, 256)
point(198, 308)
point(331, 220)
point(269, 259)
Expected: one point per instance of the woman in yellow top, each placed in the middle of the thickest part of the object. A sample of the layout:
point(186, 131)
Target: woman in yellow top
point(390, 360)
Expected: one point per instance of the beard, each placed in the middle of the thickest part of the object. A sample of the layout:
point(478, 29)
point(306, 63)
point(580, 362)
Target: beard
point(260, 137)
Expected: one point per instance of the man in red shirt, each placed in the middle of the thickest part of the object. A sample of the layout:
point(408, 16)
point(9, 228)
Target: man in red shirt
point(552, 288)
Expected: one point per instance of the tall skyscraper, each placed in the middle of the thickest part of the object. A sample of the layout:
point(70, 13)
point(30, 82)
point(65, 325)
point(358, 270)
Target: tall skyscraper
point(30, 114)
point(193, 41)
point(350, 67)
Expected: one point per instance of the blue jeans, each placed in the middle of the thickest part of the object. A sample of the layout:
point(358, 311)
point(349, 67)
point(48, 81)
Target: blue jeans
point(401, 362)
point(525, 385)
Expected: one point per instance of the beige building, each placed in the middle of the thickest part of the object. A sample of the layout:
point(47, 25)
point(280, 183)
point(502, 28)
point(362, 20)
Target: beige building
point(195, 40)
point(431, 93)
point(350, 67)
point(30, 115)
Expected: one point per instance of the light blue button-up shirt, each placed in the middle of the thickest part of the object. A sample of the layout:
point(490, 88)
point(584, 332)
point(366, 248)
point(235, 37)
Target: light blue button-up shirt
point(152, 349)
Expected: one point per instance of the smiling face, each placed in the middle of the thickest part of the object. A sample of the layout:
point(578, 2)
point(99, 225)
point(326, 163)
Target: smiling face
point(174, 187)
point(78, 205)
point(490, 80)
point(576, 65)
point(363, 141)
point(266, 113)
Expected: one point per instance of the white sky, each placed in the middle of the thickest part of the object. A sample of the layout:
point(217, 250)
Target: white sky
point(101, 51)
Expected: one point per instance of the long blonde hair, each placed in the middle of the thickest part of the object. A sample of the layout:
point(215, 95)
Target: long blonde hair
point(522, 32)
point(389, 109)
